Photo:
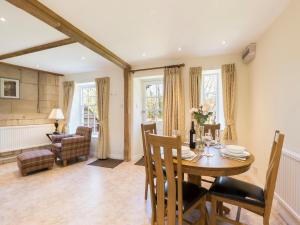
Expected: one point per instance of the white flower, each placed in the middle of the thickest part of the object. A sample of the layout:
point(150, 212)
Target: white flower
point(193, 110)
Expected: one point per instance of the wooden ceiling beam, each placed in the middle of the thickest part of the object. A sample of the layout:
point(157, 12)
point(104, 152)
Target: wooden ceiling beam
point(38, 48)
point(40, 11)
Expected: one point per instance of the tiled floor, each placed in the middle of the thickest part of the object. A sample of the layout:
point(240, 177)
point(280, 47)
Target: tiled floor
point(81, 194)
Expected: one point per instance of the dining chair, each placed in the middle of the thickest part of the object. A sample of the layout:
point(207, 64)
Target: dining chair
point(171, 197)
point(212, 128)
point(151, 127)
point(246, 195)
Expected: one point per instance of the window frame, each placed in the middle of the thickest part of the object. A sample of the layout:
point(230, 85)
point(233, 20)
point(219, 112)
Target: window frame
point(219, 95)
point(151, 82)
point(81, 106)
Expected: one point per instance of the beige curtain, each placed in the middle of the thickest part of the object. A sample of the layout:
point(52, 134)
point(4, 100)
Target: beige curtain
point(68, 87)
point(173, 115)
point(103, 91)
point(229, 98)
point(195, 86)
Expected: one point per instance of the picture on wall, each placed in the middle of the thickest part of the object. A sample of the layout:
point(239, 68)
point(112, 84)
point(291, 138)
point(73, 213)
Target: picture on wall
point(9, 88)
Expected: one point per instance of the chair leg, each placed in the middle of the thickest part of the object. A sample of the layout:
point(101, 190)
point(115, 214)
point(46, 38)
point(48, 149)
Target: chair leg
point(266, 220)
point(146, 188)
point(203, 211)
point(213, 216)
point(64, 162)
point(238, 214)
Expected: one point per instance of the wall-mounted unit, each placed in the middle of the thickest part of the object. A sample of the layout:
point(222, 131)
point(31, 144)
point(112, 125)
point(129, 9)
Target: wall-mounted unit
point(249, 53)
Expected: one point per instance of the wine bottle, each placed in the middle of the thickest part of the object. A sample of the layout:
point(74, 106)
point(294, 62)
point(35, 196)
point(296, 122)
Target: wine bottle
point(192, 136)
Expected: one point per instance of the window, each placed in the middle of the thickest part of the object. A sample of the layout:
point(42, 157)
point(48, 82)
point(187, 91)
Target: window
point(212, 93)
point(88, 108)
point(153, 102)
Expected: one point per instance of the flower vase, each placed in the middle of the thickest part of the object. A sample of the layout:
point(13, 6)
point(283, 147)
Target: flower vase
point(201, 134)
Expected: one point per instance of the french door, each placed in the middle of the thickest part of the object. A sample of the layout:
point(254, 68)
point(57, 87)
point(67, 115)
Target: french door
point(153, 103)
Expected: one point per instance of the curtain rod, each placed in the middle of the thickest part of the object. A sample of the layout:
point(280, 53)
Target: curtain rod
point(160, 67)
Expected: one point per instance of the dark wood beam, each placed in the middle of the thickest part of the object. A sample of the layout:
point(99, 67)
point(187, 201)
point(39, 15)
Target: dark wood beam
point(127, 113)
point(28, 68)
point(38, 48)
point(45, 14)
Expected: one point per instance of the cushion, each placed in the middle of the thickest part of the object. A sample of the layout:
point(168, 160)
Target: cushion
point(191, 193)
point(234, 189)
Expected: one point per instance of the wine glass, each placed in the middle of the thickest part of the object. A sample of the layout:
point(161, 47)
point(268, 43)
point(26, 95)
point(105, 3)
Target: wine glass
point(207, 140)
point(217, 137)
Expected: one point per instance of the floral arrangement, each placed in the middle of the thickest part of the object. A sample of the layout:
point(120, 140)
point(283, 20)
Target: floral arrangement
point(201, 114)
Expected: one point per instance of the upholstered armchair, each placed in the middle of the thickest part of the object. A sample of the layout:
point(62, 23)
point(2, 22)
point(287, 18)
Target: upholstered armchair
point(70, 146)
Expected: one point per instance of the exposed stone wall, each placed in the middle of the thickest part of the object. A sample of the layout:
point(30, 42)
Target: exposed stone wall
point(39, 93)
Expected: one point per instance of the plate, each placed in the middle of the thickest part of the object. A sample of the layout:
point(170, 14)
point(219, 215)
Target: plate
point(235, 148)
point(229, 153)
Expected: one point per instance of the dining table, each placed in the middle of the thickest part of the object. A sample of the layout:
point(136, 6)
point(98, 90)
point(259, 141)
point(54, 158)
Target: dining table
point(216, 165)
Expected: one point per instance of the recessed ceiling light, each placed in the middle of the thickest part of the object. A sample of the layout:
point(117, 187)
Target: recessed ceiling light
point(144, 54)
point(2, 19)
point(179, 49)
point(224, 42)
point(83, 58)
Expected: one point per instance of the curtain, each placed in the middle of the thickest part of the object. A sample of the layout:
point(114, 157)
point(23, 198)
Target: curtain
point(68, 87)
point(195, 86)
point(103, 91)
point(173, 114)
point(229, 98)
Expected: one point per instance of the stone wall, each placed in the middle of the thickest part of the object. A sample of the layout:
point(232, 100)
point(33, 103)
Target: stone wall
point(39, 93)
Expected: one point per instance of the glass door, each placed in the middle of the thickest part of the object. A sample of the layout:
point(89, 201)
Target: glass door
point(153, 103)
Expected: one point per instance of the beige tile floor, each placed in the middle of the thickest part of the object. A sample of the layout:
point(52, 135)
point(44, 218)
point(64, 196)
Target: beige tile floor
point(81, 194)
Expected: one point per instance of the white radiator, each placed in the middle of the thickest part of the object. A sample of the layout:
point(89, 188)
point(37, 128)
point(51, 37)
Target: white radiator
point(288, 183)
point(22, 137)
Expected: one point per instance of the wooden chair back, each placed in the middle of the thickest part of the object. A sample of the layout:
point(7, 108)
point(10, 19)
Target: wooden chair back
point(151, 127)
point(159, 152)
point(273, 171)
point(212, 128)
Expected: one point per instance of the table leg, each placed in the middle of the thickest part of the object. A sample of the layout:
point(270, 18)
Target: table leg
point(194, 179)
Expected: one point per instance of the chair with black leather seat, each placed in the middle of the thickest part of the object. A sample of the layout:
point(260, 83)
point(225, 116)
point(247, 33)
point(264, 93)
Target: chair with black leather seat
point(151, 127)
point(171, 197)
point(246, 195)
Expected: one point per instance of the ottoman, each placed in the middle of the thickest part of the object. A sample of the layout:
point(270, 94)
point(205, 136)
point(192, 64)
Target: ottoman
point(35, 160)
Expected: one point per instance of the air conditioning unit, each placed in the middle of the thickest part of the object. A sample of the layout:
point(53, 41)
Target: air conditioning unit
point(249, 53)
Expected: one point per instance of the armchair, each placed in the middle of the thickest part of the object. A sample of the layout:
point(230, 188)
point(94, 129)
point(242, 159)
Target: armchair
point(69, 146)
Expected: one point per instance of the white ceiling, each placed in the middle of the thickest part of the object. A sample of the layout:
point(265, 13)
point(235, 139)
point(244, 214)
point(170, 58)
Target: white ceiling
point(133, 27)
point(73, 58)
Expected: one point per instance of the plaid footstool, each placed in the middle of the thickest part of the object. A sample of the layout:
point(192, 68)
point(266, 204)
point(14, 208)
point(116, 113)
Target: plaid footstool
point(35, 160)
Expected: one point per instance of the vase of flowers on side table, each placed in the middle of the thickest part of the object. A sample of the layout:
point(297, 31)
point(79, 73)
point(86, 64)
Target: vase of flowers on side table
point(201, 115)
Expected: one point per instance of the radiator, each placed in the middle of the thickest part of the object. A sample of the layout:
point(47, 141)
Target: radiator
point(288, 183)
point(22, 137)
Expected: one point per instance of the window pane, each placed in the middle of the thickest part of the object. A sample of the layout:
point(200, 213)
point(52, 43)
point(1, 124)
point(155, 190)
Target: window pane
point(210, 85)
point(89, 108)
point(151, 90)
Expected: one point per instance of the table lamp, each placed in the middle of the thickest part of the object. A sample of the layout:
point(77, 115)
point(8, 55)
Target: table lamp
point(56, 114)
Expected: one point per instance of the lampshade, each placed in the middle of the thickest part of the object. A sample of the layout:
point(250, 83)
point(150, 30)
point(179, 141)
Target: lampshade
point(56, 114)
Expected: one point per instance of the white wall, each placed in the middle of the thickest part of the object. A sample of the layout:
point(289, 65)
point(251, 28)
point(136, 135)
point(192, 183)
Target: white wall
point(275, 86)
point(116, 107)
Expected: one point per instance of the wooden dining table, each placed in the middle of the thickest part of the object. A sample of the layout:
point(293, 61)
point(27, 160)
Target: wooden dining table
point(215, 166)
